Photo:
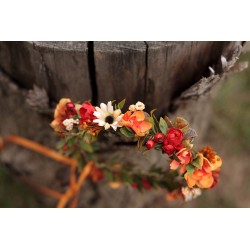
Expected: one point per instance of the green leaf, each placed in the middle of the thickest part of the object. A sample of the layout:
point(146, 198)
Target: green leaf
point(71, 142)
point(87, 147)
point(152, 112)
point(156, 123)
point(109, 176)
point(163, 126)
point(60, 144)
point(121, 104)
point(196, 163)
point(127, 132)
point(151, 120)
point(190, 169)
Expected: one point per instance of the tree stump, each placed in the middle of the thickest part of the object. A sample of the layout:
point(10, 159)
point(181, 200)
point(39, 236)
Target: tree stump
point(177, 78)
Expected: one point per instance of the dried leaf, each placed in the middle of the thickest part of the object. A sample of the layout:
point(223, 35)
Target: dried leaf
point(168, 121)
point(182, 124)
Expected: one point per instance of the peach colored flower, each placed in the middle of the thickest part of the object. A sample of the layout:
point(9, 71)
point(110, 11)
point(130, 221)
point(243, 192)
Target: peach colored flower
point(207, 176)
point(174, 195)
point(60, 115)
point(213, 159)
point(137, 121)
point(185, 157)
point(115, 184)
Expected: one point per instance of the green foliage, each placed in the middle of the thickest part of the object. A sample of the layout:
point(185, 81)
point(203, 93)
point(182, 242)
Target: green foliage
point(163, 126)
point(190, 169)
point(127, 132)
point(86, 147)
point(121, 104)
point(197, 162)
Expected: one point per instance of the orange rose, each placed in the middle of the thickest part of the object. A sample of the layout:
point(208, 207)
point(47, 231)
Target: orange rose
point(207, 176)
point(185, 157)
point(137, 122)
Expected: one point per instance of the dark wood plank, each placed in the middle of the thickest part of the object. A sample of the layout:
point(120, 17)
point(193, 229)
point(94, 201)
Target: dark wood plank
point(175, 66)
point(59, 67)
point(120, 70)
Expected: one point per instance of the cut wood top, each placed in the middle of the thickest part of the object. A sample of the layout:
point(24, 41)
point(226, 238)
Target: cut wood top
point(152, 72)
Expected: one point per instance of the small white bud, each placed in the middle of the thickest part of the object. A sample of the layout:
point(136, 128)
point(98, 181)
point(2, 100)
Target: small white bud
point(139, 106)
point(132, 107)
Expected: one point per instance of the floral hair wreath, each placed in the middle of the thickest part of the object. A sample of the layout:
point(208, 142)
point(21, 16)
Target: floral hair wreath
point(189, 170)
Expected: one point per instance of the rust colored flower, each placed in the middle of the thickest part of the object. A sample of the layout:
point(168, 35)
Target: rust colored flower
point(87, 112)
point(185, 157)
point(96, 174)
point(168, 149)
point(207, 176)
point(174, 195)
point(137, 121)
point(213, 159)
point(174, 136)
point(60, 115)
point(173, 141)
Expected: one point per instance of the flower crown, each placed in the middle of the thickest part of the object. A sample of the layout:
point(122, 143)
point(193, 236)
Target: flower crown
point(189, 170)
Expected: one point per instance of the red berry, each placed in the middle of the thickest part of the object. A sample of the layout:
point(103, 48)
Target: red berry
point(70, 109)
point(146, 184)
point(159, 138)
point(134, 185)
point(70, 106)
point(150, 144)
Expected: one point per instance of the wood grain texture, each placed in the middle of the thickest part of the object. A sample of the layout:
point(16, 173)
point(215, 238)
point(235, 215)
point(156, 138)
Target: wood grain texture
point(120, 70)
point(152, 72)
point(59, 67)
point(174, 67)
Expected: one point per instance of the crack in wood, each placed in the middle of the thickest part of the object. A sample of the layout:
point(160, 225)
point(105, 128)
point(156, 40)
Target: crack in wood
point(146, 73)
point(92, 72)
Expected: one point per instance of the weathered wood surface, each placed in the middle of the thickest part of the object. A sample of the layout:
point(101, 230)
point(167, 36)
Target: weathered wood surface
point(60, 68)
point(153, 72)
point(171, 76)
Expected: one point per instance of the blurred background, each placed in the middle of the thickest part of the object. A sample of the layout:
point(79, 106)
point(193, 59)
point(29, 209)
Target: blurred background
point(228, 133)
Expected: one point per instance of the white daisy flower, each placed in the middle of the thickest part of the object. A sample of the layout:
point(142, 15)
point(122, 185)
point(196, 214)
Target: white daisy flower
point(190, 194)
point(69, 123)
point(107, 116)
point(139, 106)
